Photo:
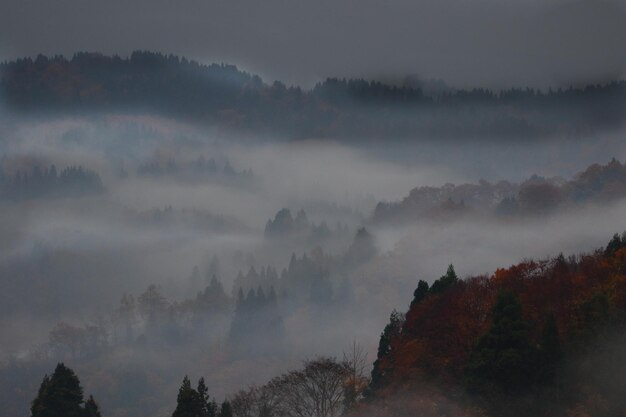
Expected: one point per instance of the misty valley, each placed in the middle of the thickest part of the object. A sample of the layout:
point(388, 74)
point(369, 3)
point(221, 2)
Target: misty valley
point(189, 240)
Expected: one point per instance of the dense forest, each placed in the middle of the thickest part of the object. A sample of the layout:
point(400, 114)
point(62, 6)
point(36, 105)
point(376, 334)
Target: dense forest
point(540, 338)
point(222, 95)
point(536, 196)
point(47, 183)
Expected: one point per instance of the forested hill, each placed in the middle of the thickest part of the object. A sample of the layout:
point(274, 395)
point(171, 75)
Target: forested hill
point(541, 338)
point(223, 95)
point(536, 196)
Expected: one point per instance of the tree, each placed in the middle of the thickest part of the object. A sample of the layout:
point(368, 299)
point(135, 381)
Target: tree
point(61, 395)
point(226, 410)
point(315, 391)
point(420, 292)
point(445, 281)
point(363, 247)
point(503, 357)
point(209, 408)
point(391, 331)
point(356, 360)
point(615, 244)
point(91, 408)
point(282, 224)
point(188, 403)
point(550, 353)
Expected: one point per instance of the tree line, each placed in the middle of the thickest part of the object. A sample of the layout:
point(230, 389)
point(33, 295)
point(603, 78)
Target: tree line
point(352, 108)
point(47, 182)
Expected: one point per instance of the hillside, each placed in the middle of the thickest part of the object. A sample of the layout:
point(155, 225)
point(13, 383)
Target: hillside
point(535, 196)
point(541, 338)
point(225, 96)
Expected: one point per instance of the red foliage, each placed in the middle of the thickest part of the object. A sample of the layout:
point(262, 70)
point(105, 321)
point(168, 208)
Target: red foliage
point(440, 331)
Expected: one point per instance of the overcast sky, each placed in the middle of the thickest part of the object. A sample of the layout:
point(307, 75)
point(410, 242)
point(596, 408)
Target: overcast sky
point(464, 42)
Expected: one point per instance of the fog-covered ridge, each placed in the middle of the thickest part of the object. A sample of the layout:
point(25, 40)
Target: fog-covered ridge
point(221, 95)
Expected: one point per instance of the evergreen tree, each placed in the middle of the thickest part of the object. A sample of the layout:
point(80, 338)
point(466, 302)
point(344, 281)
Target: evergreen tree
point(61, 395)
point(203, 397)
point(91, 408)
point(503, 357)
point(550, 353)
point(188, 403)
point(209, 408)
point(445, 281)
point(615, 244)
point(420, 292)
point(391, 331)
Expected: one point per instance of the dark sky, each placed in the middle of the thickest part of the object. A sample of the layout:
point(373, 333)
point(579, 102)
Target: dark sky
point(464, 42)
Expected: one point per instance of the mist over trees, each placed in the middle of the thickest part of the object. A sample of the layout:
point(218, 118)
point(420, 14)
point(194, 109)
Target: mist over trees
point(538, 337)
point(536, 196)
point(195, 241)
point(354, 108)
point(48, 183)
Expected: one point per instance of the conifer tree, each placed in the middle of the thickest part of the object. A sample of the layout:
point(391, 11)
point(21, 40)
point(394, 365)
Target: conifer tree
point(445, 281)
point(549, 351)
point(420, 292)
point(391, 331)
point(188, 403)
point(91, 408)
point(503, 357)
point(61, 395)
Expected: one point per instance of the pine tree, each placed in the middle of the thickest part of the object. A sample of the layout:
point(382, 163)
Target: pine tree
point(420, 292)
point(614, 245)
point(188, 403)
point(209, 408)
point(391, 331)
point(91, 408)
point(445, 281)
point(550, 353)
point(61, 395)
point(203, 397)
point(503, 357)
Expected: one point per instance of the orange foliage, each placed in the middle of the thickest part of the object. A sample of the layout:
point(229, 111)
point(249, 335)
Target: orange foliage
point(441, 330)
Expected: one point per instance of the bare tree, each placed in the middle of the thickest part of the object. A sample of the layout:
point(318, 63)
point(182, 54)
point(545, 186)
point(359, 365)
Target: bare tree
point(315, 391)
point(355, 359)
point(243, 403)
point(256, 402)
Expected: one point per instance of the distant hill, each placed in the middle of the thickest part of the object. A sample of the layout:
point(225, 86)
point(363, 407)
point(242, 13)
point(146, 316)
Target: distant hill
point(535, 196)
point(225, 96)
